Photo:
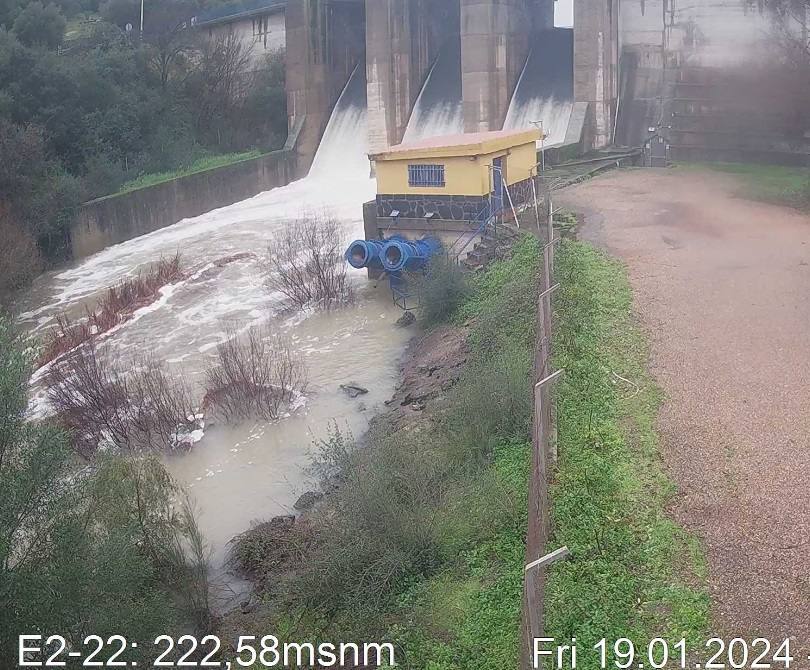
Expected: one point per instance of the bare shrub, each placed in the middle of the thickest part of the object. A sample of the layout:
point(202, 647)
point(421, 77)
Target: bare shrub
point(258, 375)
point(115, 306)
point(305, 264)
point(103, 404)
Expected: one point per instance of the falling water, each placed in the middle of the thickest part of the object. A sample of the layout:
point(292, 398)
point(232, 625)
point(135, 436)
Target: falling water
point(343, 149)
point(438, 109)
point(257, 470)
point(545, 90)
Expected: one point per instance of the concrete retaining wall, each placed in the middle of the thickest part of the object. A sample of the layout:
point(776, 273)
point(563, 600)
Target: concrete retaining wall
point(113, 219)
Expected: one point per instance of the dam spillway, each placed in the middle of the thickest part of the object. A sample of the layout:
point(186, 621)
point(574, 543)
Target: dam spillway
point(545, 91)
point(439, 109)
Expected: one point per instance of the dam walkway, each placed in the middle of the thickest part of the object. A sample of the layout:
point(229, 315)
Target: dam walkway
point(721, 286)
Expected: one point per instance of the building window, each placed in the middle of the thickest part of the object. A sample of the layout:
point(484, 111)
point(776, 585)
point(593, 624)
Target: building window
point(426, 175)
point(261, 27)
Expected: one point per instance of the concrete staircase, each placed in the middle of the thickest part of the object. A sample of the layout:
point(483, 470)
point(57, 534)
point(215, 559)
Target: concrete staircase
point(492, 243)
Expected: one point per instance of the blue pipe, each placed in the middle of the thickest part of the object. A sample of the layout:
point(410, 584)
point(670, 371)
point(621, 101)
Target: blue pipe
point(399, 254)
point(365, 254)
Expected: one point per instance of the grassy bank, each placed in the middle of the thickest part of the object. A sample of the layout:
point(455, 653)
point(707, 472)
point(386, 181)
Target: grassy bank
point(777, 184)
point(635, 573)
point(200, 165)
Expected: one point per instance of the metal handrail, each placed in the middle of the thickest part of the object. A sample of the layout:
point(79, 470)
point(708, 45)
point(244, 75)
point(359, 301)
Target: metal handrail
point(486, 221)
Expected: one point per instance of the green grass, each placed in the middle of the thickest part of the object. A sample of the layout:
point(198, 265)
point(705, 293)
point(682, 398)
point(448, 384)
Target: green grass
point(778, 184)
point(468, 616)
point(200, 165)
point(634, 572)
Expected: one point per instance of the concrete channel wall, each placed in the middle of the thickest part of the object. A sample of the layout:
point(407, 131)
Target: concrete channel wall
point(118, 218)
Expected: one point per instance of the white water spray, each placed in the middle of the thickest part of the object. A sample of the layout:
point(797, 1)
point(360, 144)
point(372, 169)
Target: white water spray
point(439, 110)
point(544, 92)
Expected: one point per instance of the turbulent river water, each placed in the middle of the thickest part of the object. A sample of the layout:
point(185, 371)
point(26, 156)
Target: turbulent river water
point(237, 475)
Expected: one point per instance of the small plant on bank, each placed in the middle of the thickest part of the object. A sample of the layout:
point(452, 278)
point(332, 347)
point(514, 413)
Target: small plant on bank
point(305, 264)
point(269, 551)
point(102, 403)
point(490, 403)
point(441, 290)
point(258, 374)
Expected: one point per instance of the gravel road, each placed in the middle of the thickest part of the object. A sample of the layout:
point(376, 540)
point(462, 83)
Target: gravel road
point(722, 286)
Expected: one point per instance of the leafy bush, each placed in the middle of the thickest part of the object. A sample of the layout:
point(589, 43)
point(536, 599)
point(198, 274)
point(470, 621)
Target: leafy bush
point(20, 259)
point(380, 525)
point(441, 290)
point(490, 403)
point(93, 551)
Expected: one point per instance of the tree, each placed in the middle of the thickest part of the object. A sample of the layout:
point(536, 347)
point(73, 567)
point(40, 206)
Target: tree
point(38, 25)
point(8, 11)
point(220, 84)
point(165, 30)
point(103, 552)
point(787, 87)
point(265, 107)
point(36, 199)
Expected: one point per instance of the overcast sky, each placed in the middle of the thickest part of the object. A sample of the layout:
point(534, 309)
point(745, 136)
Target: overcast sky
point(564, 13)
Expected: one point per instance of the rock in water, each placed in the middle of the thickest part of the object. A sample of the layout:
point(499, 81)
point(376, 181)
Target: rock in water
point(406, 320)
point(353, 390)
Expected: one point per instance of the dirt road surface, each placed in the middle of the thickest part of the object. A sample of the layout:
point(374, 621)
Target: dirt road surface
point(722, 286)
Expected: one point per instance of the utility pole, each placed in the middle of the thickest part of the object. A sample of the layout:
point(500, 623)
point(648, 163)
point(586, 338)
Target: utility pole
point(141, 19)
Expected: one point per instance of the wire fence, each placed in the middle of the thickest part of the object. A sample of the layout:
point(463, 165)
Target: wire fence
point(543, 437)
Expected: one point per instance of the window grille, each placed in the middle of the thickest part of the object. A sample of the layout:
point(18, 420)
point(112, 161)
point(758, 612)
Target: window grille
point(261, 27)
point(426, 175)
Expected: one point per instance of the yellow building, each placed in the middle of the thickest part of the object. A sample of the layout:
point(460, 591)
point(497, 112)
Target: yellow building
point(456, 177)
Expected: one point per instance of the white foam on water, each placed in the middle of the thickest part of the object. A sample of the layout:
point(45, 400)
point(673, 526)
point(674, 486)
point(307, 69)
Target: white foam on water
point(434, 121)
point(553, 115)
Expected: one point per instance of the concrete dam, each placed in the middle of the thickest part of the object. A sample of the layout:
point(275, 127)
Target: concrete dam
point(444, 67)
point(438, 67)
